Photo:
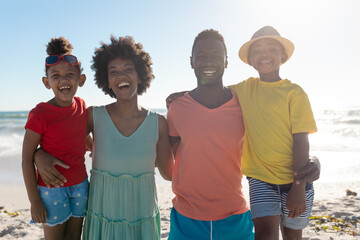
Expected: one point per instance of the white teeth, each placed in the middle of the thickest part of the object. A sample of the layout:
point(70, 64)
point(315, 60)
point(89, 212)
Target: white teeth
point(123, 84)
point(209, 72)
point(265, 62)
point(64, 87)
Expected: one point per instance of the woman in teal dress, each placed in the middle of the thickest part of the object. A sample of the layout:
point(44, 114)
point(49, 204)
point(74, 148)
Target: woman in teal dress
point(129, 141)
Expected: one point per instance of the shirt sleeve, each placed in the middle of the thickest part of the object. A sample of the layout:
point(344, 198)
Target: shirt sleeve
point(35, 122)
point(170, 119)
point(301, 115)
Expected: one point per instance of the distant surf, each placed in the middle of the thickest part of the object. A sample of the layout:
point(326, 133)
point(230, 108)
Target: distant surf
point(337, 143)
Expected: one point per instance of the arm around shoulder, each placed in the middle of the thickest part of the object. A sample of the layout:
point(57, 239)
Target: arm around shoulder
point(174, 96)
point(164, 156)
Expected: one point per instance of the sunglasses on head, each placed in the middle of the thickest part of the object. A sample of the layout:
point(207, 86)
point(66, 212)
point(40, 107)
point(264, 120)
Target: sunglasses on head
point(55, 59)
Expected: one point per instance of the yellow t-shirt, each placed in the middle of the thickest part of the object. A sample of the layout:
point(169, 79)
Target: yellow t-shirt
point(272, 111)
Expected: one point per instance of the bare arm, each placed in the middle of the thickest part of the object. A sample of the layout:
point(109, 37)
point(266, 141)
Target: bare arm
point(89, 143)
point(90, 122)
point(30, 144)
point(164, 157)
point(90, 129)
point(300, 151)
point(175, 141)
point(296, 196)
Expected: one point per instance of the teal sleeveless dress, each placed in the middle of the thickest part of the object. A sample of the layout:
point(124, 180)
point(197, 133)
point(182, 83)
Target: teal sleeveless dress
point(122, 196)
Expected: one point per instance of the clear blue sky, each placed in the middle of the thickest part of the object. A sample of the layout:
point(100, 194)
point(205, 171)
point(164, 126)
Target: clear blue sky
point(326, 35)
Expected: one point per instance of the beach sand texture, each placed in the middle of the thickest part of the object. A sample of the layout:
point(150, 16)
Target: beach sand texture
point(330, 200)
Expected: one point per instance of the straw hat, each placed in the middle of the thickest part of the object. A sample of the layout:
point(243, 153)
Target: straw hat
point(266, 32)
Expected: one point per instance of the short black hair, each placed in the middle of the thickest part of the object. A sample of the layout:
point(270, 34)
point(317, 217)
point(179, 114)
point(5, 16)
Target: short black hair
point(209, 34)
point(59, 46)
point(123, 48)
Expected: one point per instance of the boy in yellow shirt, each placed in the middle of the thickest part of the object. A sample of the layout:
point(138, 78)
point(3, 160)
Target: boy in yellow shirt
point(278, 119)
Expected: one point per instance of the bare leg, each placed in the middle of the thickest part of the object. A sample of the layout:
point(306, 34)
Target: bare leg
point(267, 228)
point(56, 232)
point(292, 234)
point(73, 228)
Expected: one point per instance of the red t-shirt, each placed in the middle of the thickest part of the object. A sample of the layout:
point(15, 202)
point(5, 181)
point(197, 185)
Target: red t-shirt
point(63, 133)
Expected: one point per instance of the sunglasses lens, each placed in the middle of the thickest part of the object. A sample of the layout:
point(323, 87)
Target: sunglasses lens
point(52, 60)
point(70, 59)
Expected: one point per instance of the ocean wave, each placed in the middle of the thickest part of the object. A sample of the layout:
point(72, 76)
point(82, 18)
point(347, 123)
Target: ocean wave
point(344, 116)
point(10, 144)
point(13, 115)
point(11, 127)
point(347, 121)
point(347, 111)
point(347, 132)
point(342, 112)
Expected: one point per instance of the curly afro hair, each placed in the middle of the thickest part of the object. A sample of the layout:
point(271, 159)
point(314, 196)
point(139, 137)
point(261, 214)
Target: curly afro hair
point(123, 48)
point(59, 46)
point(209, 34)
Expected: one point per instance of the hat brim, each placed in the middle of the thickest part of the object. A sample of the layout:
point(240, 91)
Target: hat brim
point(287, 44)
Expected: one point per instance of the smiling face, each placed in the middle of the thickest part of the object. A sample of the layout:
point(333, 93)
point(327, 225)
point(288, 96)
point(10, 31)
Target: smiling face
point(123, 78)
point(266, 55)
point(209, 61)
point(64, 80)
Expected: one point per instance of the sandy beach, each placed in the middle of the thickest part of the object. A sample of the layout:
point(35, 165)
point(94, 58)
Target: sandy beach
point(335, 215)
point(332, 209)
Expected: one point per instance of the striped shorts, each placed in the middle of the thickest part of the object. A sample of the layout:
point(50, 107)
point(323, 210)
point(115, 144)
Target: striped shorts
point(270, 200)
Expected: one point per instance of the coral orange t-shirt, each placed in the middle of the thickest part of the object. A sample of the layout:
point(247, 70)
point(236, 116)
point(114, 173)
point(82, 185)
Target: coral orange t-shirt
point(207, 172)
point(63, 132)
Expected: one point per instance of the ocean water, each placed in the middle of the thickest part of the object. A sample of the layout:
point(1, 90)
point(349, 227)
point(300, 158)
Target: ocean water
point(336, 144)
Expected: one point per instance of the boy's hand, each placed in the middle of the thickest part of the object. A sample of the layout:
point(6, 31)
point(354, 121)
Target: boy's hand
point(45, 164)
point(295, 201)
point(174, 96)
point(38, 212)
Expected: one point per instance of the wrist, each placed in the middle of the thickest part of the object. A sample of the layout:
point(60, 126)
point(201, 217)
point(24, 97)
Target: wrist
point(301, 185)
point(35, 200)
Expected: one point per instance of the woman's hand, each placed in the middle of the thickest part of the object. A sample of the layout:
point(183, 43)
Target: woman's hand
point(45, 164)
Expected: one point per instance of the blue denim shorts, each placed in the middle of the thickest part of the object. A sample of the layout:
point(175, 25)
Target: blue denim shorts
point(65, 202)
point(270, 200)
point(239, 226)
